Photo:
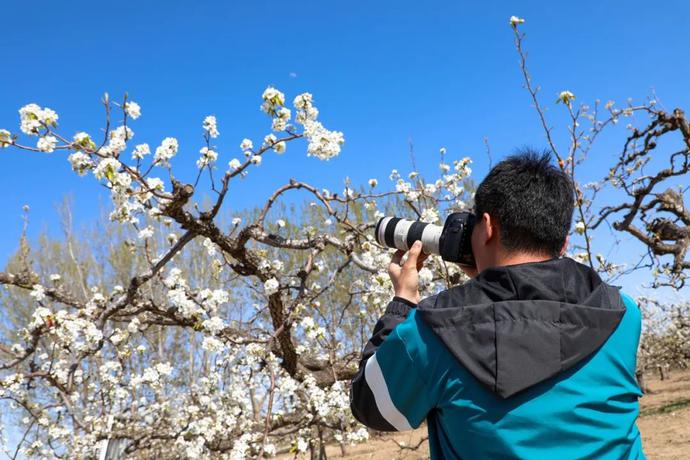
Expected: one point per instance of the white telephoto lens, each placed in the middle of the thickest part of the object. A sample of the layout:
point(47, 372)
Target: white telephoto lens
point(430, 239)
point(400, 234)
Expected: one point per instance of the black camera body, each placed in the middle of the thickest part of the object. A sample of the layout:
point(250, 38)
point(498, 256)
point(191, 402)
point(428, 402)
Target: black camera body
point(453, 241)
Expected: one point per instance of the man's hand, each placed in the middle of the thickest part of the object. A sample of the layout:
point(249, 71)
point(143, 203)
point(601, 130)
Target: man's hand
point(405, 277)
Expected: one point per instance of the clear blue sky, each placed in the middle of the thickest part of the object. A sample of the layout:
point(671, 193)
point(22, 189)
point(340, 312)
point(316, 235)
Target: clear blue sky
point(439, 73)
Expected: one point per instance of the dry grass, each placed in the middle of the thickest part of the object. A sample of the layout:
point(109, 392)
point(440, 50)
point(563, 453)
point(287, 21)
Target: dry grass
point(664, 423)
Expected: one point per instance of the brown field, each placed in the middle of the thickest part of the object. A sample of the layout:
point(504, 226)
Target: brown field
point(664, 422)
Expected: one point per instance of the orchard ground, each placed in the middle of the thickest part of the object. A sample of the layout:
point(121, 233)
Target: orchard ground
point(664, 422)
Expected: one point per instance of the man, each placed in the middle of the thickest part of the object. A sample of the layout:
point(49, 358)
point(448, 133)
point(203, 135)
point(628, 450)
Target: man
point(534, 357)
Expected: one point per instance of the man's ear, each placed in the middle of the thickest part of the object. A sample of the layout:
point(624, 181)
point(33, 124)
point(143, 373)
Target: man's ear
point(490, 227)
point(565, 245)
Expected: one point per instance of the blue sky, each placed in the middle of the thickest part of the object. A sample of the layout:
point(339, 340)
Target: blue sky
point(384, 73)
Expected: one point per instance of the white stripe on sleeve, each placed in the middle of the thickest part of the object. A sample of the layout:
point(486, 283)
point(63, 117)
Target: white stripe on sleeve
point(374, 378)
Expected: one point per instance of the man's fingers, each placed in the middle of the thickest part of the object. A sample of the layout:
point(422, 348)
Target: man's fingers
point(397, 257)
point(413, 255)
point(421, 259)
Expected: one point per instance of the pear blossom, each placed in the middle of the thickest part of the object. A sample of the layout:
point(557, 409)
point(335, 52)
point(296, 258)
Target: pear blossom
point(234, 163)
point(5, 138)
point(256, 159)
point(273, 101)
point(214, 325)
point(270, 139)
point(38, 292)
point(580, 227)
point(281, 120)
point(208, 156)
point(323, 144)
point(80, 162)
point(133, 110)
point(514, 21)
point(107, 168)
point(140, 151)
point(210, 126)
point(145, 233)
point(246, 144)
point(565, 97)
point(280, 147)
point(373, 183)
point(166, 150)
point(33, 118)
point(305, 108)
point(47, 143)
point(271, 286)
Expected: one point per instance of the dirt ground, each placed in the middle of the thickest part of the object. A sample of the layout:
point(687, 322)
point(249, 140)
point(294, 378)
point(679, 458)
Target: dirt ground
point(664, 423)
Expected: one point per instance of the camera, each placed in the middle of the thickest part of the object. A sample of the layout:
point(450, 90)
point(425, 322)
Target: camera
point(452, 241)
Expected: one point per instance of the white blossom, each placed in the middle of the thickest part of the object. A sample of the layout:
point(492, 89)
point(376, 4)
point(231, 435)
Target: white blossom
point(280, 122)
point(81, 162)
point(208, 156)
point(210, 126)
point(323, 144)
point(140, 151)
point(107, 168)
point(5, 138)
point(133, 110)
point(133, 326)
point(271, 286)
point(565, 97)
point(580, 227)
point(273, 101)
point(234, 163)
point(38, 292)
point(373, 182)
point(514, 21)
point(166, 150)
point(246, 144)
point(214, 325)
point(46, 143)
point(210, 247)
point(430, 215)
point(270, 139)
point(145, 233)
point(305, 108)
point(33, 118)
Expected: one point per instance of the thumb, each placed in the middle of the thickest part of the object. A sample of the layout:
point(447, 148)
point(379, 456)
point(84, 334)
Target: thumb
point(413, 255)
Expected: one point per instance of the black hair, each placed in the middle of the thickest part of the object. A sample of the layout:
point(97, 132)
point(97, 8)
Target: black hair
point(532, 200)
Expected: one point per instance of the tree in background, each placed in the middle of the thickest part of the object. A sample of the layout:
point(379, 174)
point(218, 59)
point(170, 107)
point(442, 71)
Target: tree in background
point(190, 331)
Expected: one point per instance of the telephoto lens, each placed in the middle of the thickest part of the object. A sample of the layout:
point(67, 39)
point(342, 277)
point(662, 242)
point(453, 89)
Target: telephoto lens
point(452, 241)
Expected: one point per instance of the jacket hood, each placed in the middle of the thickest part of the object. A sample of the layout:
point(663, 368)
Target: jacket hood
point(517, 325)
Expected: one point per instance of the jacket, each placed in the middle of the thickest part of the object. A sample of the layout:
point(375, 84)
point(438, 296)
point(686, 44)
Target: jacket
point(527, 361)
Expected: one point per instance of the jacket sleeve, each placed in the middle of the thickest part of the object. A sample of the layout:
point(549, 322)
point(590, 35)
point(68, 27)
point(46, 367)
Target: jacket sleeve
point(387, 393)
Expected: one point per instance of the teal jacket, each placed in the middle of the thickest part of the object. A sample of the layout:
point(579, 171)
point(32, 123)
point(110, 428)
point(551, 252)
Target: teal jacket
point(528, 361)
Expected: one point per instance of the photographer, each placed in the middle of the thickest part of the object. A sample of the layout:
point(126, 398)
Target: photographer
point(534, 357)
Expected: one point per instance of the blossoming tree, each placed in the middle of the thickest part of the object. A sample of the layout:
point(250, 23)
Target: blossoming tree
point(207, 339)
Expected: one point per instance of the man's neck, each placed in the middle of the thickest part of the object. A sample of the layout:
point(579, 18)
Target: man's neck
point(520, 258)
